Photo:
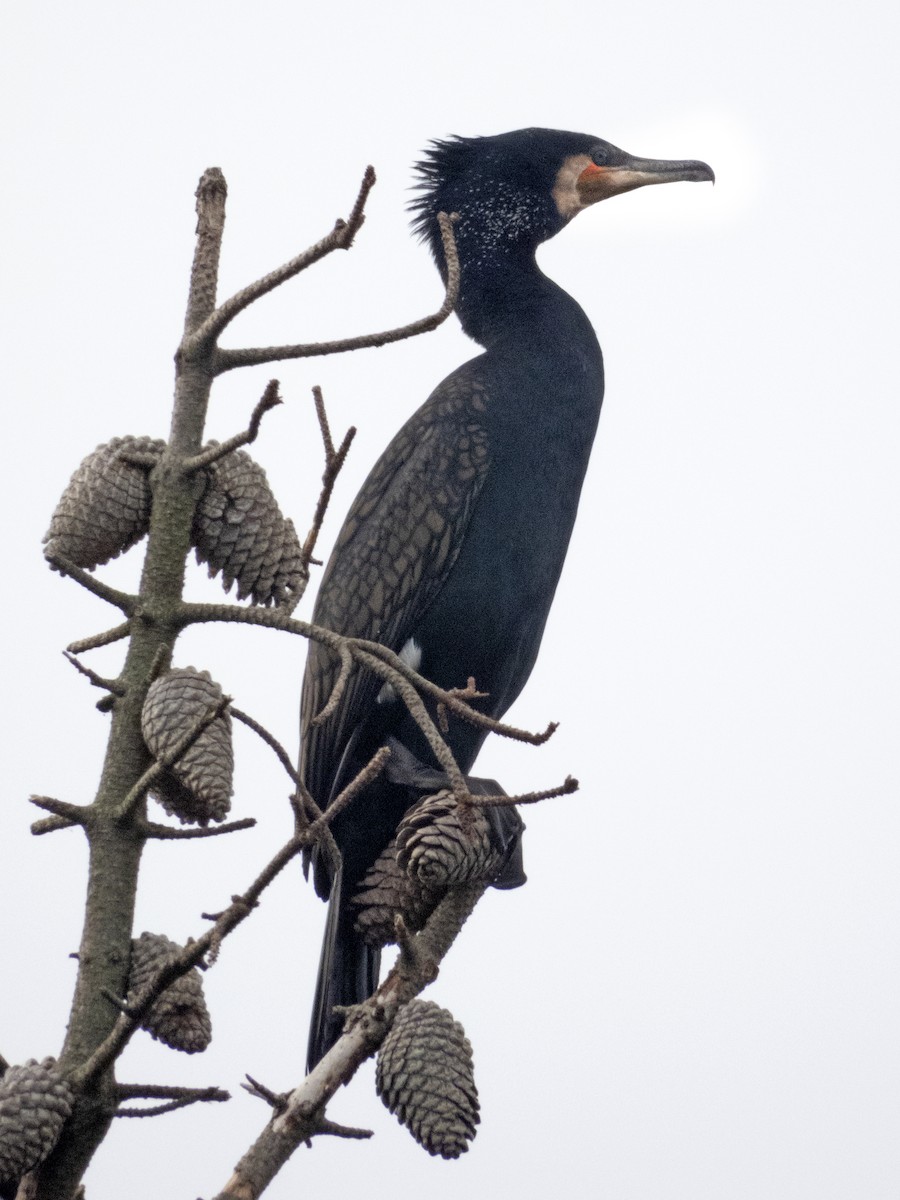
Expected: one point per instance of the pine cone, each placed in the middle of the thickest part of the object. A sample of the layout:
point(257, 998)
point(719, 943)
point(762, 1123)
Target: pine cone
point(35, 1101)
point(440, 844)
point(105, 508)
point(198, 787)
point(179, 1018)
point(424, 1076)
point(240, 531)
point(386, 890)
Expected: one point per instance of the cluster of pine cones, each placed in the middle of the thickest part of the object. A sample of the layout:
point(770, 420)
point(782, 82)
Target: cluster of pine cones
point(35, 1098)
point(238, 528)
point(424, 1071)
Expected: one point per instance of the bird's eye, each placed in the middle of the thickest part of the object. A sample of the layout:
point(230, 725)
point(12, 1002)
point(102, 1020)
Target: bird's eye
point(600, 156)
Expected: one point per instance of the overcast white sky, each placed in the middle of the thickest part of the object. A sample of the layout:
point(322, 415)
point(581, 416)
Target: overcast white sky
point(696, 995)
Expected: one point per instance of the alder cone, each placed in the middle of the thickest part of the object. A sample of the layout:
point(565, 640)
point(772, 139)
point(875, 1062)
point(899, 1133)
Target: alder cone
point(105, 508)
point(441, 843)
point(386, 891)
point(198, 787)
point(424, 1076)
point(35, 1101)
point(179, 1018)
point(239, 531)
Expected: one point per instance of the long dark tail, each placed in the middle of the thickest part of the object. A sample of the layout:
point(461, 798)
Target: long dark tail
point(348, 973)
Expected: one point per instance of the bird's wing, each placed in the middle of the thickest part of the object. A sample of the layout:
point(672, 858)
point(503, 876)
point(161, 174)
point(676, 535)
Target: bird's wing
point(392, 557)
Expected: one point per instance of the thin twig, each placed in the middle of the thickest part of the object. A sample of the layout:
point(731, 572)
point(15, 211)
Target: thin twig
point(357, 212)
point(340, 238)
point(381, 660)
point(150, 829)
point(51, 825)
point(227, 360)
point(158, 1110)
point(162, 661)
point(138, 458)
point(100, 639)
point(469, 692)
point(564, 789)
point(334, 461)
point(340, 686)
point(137, 793)
point(164, 1091)
point(451, 698)
point(305, 807)
point(122, 600)
point(75, 813)
point(269, 739)
point(341, 1131)
point(322, 417)
point(109, 685)
point(270, 399)
point(344, 799)
point(177, 1097)
point(275, 1100)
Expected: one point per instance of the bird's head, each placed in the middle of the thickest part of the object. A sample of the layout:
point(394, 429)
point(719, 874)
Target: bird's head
point(515, 190)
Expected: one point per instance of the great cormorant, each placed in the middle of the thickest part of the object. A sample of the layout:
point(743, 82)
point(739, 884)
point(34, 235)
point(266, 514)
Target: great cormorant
point(451, 552)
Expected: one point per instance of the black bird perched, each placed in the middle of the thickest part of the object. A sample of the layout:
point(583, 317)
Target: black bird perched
point(451, 552)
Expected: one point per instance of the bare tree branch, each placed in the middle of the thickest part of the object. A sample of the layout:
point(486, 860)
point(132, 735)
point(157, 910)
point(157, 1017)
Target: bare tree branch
point(227, 360)
point(344, 799)
point(100, 639)
point(454, 700)
point(566, 788)
point(334, 460)
point(177, 1097)
point(51, 825)
point(340, 238)
point(74, 814)
point(363, 1034)
point(109, 685)
point(342, 1131)
point(211, 194)
point(269, 739)
point(381, 660)
point(123, 600)
point(270, 399)
point(275, 1100)
point(138, 458)
point(168, 833)
point(340, 686)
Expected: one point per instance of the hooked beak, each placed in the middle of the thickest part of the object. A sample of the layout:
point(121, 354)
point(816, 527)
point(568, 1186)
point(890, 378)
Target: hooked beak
point(597, 183)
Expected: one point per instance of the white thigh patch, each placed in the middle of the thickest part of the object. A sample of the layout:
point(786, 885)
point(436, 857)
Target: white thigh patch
point(411, 654)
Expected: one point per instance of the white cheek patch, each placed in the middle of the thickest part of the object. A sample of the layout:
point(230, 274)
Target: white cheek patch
point(411, 655)
point(565, 191)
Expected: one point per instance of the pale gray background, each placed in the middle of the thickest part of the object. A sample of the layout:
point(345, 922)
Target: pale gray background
point(696, 995)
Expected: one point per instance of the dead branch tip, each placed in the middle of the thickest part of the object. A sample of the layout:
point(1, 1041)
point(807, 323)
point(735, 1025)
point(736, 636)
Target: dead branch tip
point(270, 399)
point(275, 1100)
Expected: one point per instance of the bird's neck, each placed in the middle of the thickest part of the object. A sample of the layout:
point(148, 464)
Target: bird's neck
point(505, 297)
